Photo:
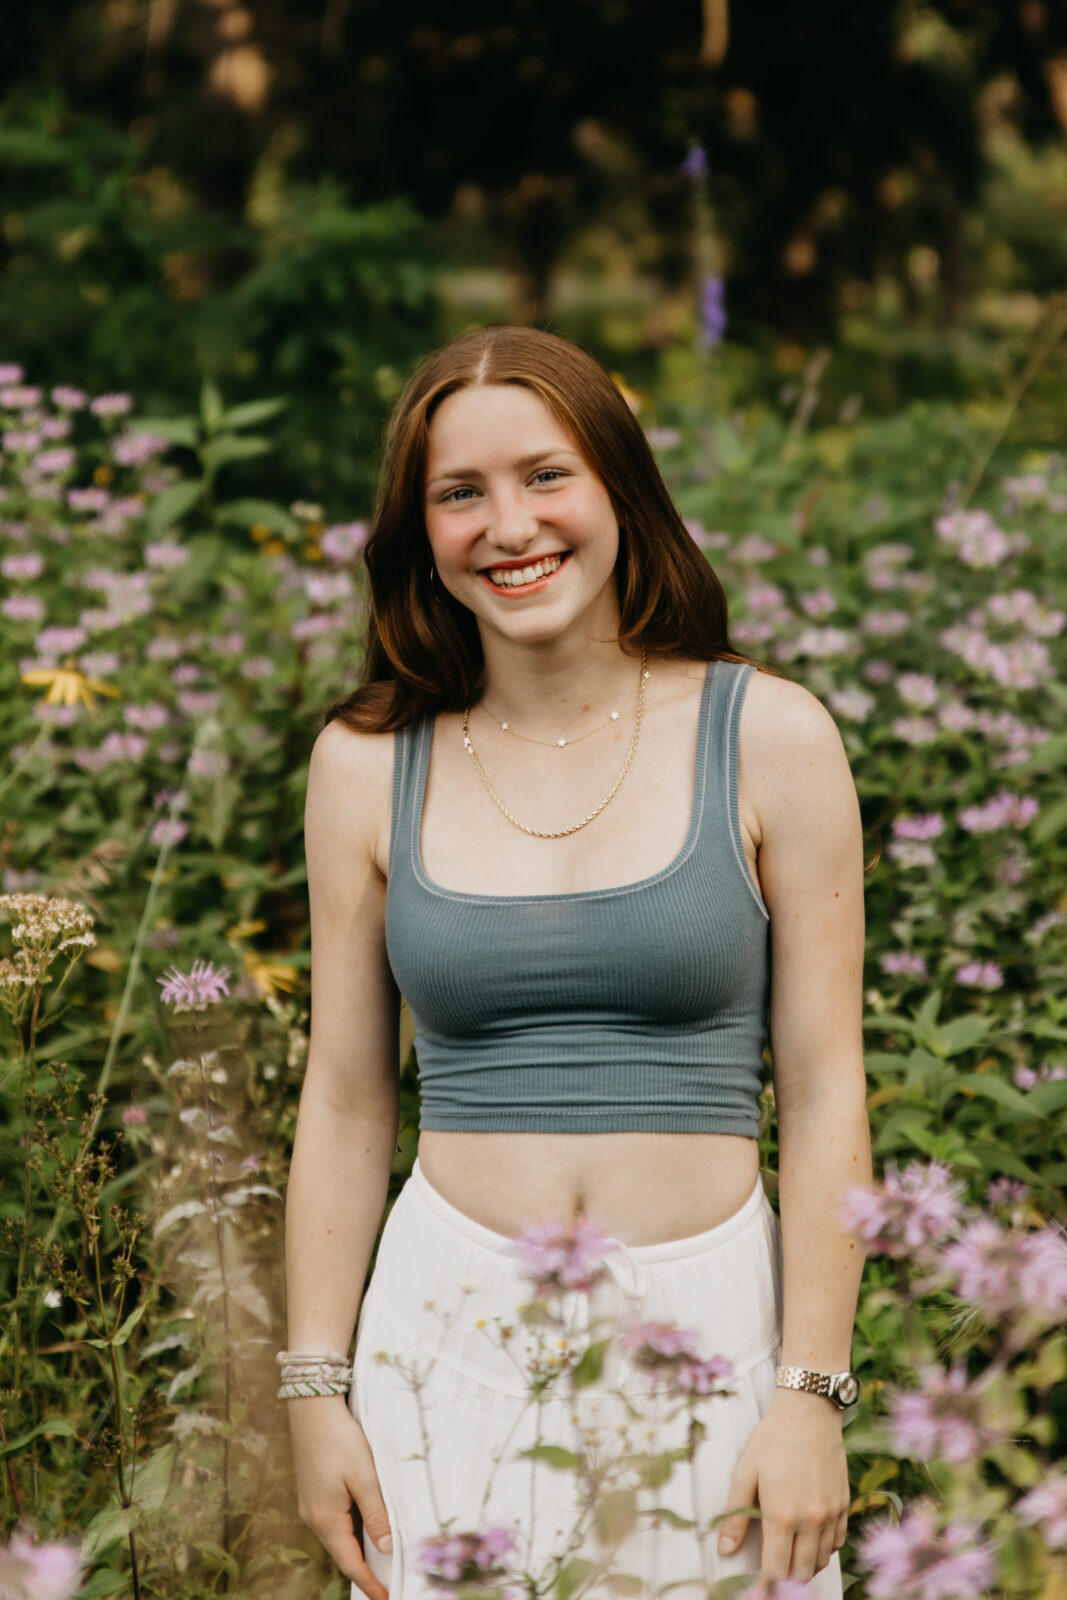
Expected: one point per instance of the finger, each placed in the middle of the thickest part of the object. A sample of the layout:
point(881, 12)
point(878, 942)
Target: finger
point(733, 1529)
point(805, 1552)
point(841, 1531)
point(826, 1546)
point(345, 1549)
point(777, 1548)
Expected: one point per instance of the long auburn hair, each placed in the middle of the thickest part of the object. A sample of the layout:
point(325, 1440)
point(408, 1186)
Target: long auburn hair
point(422, 650)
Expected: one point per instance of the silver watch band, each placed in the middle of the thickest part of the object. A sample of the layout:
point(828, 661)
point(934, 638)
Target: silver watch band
point(840, 1387)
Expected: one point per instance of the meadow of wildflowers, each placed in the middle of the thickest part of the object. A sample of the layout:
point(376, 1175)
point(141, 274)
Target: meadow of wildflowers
point(169, 648)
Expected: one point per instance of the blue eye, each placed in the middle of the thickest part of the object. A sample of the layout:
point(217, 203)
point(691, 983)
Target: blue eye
point(551, 473)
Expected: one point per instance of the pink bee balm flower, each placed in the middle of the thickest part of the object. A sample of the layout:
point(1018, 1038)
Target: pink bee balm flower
point(917, 1560)
point(204, 985)
point(49, 1571)
point(909, 1211)
point(134, 1116)
point(559, 1257)
point(670, 1355)
point(1004, 1270)
point(778, 1589)
point(980, 975)
point(464, 1558)
point(1045, 1508)
point(942, 1419)
point(110, 405)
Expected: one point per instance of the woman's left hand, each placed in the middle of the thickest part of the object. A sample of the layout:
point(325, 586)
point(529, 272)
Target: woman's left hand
point(794, 1468)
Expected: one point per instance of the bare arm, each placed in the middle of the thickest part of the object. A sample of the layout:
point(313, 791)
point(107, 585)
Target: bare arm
point(811, 866)
point(347, 1120)
point(346, 1125)
point(811, 872)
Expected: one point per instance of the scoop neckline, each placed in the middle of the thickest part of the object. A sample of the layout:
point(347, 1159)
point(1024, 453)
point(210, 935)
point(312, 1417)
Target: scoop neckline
point(695, 815)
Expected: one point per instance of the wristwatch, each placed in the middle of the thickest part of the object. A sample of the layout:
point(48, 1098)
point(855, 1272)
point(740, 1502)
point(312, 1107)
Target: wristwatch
point(843, 1388)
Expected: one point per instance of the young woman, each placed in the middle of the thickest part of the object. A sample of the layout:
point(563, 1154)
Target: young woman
point(602, 856)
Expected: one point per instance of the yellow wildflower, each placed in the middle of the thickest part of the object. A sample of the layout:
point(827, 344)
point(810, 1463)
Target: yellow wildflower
point(66, 686)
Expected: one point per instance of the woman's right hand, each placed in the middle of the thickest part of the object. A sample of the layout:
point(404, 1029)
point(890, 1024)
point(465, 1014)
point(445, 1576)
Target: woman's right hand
point(334, 1467)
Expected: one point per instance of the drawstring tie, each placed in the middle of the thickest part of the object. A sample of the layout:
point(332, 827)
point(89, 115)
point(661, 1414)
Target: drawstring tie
point(630, 1280)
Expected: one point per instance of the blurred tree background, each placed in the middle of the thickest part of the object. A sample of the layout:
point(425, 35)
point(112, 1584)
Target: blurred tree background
point(301, 198)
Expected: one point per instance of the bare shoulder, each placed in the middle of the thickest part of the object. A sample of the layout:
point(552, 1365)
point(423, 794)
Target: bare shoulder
point(349, 791)
point(791, 759)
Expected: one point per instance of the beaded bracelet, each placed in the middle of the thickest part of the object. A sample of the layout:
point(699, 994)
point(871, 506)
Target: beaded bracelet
point(311, 1372)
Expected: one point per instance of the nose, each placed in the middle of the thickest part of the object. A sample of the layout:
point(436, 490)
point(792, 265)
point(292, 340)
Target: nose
point(513, 525)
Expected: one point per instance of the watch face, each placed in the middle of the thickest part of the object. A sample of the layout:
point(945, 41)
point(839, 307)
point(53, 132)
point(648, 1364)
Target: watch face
point(848, 1389)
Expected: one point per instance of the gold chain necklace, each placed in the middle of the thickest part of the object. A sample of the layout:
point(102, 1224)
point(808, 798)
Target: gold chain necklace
point(558, 744)
point(561, 833)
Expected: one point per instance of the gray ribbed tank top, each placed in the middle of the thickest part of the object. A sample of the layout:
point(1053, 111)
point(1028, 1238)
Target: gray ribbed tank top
point(638, 1007)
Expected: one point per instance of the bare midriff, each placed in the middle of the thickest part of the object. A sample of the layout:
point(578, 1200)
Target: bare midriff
point(643, 1188)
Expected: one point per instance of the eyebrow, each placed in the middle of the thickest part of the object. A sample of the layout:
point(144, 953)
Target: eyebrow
point(522, 461)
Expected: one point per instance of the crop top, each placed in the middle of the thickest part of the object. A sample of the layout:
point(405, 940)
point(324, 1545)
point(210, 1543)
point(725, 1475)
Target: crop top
point(604, 1010)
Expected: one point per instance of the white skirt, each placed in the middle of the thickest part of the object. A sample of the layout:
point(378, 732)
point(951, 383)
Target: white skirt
point(442, 1390)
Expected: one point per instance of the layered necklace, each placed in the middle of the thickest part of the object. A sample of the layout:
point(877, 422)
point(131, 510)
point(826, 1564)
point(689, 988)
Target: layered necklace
point(561, 833)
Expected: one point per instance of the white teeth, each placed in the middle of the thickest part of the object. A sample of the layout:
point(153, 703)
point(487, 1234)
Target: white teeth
point(511, 577)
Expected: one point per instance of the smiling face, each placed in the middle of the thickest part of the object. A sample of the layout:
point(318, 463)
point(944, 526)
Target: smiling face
point(521, 529)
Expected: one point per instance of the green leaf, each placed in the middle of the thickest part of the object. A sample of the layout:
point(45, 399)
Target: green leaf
point(171, 506)
point(653, 1470)
point(253, 411)
point(675, 1520)
point(993, 1088)
point(210, 405)
point(152, 1478)
point(553, 1455)
point(572, 1576)
point(591, 1363)
point(1049, 1096)
point(1049, 823)
point(962, 1033)
point(103, 1582)
point(616, 1515)
point(49, 1425)
point(231, 447)
point(221, 1556)
point(247, 513)
point(179, 430)
point(107, 1528)
point(877, 1473)
point(1049, 1366)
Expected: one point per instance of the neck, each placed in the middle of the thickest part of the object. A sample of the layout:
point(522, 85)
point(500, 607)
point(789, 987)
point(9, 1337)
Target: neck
point(555, 687)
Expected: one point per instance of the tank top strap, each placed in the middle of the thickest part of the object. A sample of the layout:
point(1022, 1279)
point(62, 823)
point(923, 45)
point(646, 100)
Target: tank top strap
point(408, 755)
point(722, 820)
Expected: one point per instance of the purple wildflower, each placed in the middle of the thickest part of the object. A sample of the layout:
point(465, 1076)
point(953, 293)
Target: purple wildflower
point(669, 1354)
point(1004, 1270)
point(134, 1116)
point(11, 372)
point(50, 1571)
point(204, 985)
point(1007, 1192)
point(917, 1560)
point(778, 1589)
point(712, 311)
point(559, 1256)
point(695, 164)
point(455, 1558)
point(944, 1418)
point(919, 826)
point(903, 963)
point(110, 405)
point(908, 1212)
point(68, 399)
point(343, 540)
point(1045, 1508)
point(980, 975)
